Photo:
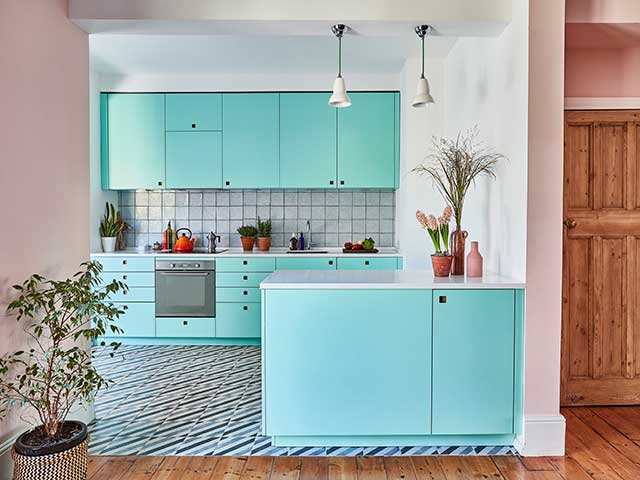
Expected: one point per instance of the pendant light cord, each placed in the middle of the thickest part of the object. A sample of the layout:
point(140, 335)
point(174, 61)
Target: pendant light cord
point(422, 74)
point(340, 56)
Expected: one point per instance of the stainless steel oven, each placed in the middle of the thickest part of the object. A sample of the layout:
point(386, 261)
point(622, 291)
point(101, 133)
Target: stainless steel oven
point(185, 288)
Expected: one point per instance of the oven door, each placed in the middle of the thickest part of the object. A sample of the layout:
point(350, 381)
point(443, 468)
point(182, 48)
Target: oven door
point(185, 294)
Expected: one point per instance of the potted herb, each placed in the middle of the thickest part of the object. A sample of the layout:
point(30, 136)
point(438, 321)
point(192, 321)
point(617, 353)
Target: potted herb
point(55, 372)
point(110, 226)
point(264, 235)
point(248, 236)
point(453, 166)
point(438, 229)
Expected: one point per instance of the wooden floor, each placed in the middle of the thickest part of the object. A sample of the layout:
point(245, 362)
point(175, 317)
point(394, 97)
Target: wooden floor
point(602, 443)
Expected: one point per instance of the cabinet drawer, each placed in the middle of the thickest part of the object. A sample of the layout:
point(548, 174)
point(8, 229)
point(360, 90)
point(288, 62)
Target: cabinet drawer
point(237, 295)
point(186, 327)
point(246, 264)
point(138, 320)
point(238, 320)
point(368, 263)
point(134, 279)
point(127, 264)
point(290, 263)
point(240, 279)
point(135, 294)
point(194, 111)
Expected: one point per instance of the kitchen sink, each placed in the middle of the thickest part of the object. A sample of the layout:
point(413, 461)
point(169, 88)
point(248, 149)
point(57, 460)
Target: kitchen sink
point(302, 252)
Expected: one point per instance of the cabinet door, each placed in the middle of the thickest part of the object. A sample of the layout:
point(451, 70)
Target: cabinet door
point(238, 320)
point(138, 320)
point(347, 362)
point(307, 141)
point(250, 140)
point(133, 141)
point(473, 361)
point(290, 263)
point(194, 111)
point(194, 160)
point(367, 141)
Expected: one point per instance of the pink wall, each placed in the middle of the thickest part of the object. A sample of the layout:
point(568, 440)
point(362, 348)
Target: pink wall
point(602, 11)
point(602, 72)
point(44, 148)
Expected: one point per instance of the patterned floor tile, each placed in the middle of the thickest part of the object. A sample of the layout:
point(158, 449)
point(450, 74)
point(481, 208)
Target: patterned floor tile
point(202, 400)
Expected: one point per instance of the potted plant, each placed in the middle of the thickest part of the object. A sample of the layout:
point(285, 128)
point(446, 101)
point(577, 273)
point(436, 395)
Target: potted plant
point(453, 166)
point(264, 235)
point(248, 236)
point(55, 372)
point(110, 227)
point(437, 229)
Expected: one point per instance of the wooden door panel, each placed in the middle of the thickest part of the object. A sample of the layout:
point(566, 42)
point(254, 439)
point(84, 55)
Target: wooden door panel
point(577, 185)
point(600, 331)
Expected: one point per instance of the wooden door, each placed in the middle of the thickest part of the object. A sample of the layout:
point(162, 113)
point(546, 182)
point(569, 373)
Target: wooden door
point(601, 327)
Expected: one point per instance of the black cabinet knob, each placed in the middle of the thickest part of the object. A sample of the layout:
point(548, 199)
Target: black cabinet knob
point(159, 184)
point(366, 262)
point(244, 277)
point(330, 182)
point(330, 262)
point(124, 262)
point(341, 182)
point(442, 299)
point(245, 292)
point(125, 307)
point(185, 322)
point(124, 277)
point(245, 308)
point(193, 125)
point(227, 183)
point(244, 262)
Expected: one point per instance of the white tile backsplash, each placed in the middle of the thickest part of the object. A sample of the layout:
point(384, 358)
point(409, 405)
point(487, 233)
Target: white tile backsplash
point(335, 216)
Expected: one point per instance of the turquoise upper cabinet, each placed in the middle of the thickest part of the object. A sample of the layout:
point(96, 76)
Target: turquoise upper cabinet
point(473, 361)
point(132, 140)
point(194, 159)
point(367, 141)
point(307, 141)
point(251, 147)
point(194, 111)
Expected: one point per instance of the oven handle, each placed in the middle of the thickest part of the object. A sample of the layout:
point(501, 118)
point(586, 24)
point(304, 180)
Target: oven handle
point(191, 274)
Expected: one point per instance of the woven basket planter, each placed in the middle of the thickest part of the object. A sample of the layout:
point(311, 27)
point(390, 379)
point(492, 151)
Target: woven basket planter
point(70, 464)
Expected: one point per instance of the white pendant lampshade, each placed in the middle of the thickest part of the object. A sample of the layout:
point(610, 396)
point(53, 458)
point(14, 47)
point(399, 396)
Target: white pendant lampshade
point(423, 94)
point(339, 97)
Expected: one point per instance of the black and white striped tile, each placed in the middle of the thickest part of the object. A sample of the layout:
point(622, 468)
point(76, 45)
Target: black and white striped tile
point(201, 400)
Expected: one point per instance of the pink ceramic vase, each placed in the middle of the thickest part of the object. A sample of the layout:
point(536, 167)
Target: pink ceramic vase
point(474, 261)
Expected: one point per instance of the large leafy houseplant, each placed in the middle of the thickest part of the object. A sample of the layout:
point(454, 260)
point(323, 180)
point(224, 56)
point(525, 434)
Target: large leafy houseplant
point(56, 372)
point(453, 166)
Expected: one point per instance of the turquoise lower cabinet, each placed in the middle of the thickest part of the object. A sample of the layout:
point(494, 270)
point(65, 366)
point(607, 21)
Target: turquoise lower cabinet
point(194, 111)
point(194, 160)
point(245, 264)
point(334, 363)
point(298, 263)
point(473, 361)
point(307, 141)
point(238, 320)
point(367, 142)
point(132, 136)
point(185, 327)
point(251, 143)
point(139, 320)
point(357, 262)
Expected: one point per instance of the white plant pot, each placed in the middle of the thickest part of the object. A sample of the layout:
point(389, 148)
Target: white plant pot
point(109, 244)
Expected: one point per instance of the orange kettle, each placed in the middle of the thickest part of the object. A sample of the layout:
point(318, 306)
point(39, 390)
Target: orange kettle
point(184, 243)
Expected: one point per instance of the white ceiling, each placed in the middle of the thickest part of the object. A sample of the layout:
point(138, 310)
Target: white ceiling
point(128, 54)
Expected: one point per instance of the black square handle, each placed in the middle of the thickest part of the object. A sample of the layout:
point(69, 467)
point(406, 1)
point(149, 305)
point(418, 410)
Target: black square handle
point(331, 182)
point(124, 277)
point(227, 183)
point(245, 307)
point(442, 299)
point(244, 277)
point(341, 182)
point(330, 262)
point(366, 262)
point(124, 262)
point(245, 262)
point(193, 125)
point(185, 322)
point(245, 292)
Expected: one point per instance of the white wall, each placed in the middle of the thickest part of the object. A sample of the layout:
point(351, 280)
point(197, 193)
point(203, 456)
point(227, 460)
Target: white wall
point(486, 85)
point(417, 127)
point(97, 196)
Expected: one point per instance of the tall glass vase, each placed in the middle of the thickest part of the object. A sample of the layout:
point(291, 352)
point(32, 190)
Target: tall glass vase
point(457, 244)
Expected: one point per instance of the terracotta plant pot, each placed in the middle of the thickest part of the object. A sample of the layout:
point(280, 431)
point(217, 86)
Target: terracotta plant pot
point(247, 243)
point(264, 243)
point(441, 265)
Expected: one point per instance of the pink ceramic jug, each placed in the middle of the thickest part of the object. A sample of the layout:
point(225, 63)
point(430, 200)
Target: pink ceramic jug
point(474, 261)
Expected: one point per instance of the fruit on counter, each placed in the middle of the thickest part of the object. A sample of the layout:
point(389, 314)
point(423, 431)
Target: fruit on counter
point(368, 243)
point(356, 246)
point(348, 245)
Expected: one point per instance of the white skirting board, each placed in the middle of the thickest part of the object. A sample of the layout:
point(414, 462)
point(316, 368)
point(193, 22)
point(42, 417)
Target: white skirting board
point(602, 103)
point(543, 435)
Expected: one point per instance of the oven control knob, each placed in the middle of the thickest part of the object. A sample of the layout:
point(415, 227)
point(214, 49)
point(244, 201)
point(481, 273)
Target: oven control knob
point(173, 265)
point(197, 265)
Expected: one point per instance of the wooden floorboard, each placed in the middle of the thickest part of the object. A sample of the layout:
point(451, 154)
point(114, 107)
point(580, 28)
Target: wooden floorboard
point(603, 443)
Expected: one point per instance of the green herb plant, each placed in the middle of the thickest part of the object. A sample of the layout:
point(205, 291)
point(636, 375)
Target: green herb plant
point(247, 231)
point(264, 228)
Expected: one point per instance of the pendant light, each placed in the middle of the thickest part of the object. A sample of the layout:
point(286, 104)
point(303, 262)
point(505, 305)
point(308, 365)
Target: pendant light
point(423, 95)
point(339, 98)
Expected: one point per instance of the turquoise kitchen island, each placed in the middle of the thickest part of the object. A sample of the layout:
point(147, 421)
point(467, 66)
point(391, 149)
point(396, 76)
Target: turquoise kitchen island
point(378, 358)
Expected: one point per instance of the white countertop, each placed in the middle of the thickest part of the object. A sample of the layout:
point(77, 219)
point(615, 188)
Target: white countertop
point(238, 252)
point(383, 279)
